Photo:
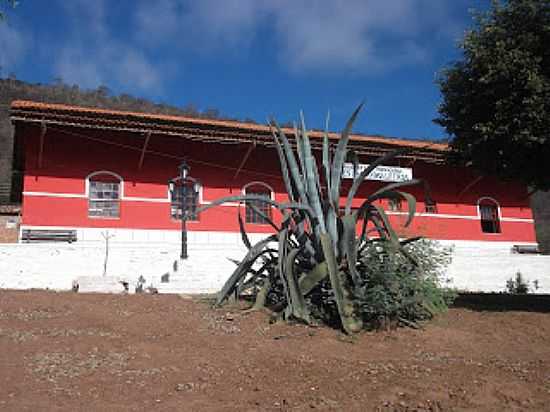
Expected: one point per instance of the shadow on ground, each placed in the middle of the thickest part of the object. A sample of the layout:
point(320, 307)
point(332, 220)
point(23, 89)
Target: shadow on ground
point(503, 302)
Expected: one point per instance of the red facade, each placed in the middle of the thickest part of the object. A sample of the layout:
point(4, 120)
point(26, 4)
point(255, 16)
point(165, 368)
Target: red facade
point(59, 158)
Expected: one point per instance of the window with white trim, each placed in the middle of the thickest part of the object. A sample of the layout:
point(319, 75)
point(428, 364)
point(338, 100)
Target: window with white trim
point(191, 202)
point(104, 195)
point(489, 215)
point(430, 206)
point(253, 206)
point(395, 204)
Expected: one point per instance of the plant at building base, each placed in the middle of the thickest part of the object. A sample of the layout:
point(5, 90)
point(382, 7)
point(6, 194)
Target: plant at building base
point(315, 268)
point(519, 285)
point(396, 288)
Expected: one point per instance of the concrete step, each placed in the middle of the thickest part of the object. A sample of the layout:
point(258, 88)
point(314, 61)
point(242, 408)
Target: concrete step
point(99, 284)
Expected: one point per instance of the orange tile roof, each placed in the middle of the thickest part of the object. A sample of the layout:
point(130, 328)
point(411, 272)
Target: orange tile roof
point(32, 106)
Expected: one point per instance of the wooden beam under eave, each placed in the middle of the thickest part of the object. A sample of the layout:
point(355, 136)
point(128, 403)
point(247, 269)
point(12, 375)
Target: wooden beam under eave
point(245, 158)
point(469, 186)
point(144, 149)
point(411, 162)
point(43, 129)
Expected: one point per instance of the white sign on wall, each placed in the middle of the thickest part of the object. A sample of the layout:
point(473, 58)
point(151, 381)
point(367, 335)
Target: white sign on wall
point(382, 173)
point(11, 224)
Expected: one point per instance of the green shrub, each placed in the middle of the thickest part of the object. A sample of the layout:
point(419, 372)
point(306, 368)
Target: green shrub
point(403, 287)
point(519, 285)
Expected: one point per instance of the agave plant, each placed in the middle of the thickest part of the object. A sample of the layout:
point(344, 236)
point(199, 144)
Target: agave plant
point(314, 257)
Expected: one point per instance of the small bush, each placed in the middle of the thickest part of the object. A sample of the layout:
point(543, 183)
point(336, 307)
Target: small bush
point(403, 287)
point(519, 285)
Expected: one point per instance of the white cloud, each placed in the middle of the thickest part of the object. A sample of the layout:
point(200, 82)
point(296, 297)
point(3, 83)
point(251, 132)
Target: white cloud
point(13, 46)
point(355, 36)
point(157, 20)
point(89, 13)
point(93, 56)
point(76, 67)
point(134, 68)
point(203, 24)
point(366, 35)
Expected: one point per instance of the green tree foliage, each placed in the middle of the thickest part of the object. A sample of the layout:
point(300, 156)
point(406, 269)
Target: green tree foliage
point(6, 4)
point(496, 99)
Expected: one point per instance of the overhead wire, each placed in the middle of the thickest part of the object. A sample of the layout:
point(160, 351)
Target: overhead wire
point(162, 154)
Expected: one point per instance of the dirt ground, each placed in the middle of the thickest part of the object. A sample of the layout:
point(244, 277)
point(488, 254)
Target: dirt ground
point(76, 352)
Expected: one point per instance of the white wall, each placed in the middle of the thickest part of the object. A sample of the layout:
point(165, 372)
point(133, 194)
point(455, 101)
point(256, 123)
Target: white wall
point(486, 266)
point(132, 253)
point(476, 266)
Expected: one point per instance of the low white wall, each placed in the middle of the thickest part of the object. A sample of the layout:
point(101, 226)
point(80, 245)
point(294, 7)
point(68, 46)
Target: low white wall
point(486, 266)
point(57, 265)
point(476, 266)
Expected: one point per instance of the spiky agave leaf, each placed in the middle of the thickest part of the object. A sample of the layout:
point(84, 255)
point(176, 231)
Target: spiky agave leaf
point(293, 165)
point(312, 178)
point(349, 245)
point(253, 254)
point(372, 212)
point(351, 321)
point(392, 187)
point(244, 235)
point(301, 154)
point(339, 157)
point(310, 279)
point(298, 309)
point(281, 258)
point(352, 154)
point(409, 199)
point(326, 153)
point(243, 198)
point(265, 217)
point(290, 187)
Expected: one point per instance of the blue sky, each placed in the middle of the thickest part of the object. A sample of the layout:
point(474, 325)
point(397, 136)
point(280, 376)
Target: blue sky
point(250, 58)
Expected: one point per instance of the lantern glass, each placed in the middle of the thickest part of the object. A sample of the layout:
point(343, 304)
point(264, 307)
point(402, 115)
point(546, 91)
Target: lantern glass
point(184, 170)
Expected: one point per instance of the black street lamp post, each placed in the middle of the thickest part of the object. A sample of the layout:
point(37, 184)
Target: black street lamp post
point(180, 184)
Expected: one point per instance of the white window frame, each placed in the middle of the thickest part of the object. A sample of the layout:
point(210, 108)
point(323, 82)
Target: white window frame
point(271, 196)
point(398, 202)
point(120, 191)
point(499, 213)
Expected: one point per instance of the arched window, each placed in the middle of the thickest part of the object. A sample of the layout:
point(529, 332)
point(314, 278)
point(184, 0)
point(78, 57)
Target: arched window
point(104, 193)
point(257, 189)
point(395, 204)
point(489, 215)
point(430, 206)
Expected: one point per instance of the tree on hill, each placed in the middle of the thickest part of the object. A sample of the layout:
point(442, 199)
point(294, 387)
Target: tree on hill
point(496, 99)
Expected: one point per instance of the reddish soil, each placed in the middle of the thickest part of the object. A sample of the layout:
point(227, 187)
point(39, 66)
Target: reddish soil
point(75, 352)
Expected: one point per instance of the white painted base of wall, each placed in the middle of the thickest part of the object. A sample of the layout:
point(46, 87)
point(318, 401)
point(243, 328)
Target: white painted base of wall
point(476, 266)
point(57, 265)
point(486, 266)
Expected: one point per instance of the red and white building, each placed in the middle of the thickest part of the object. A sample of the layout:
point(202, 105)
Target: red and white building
point(103, 174)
